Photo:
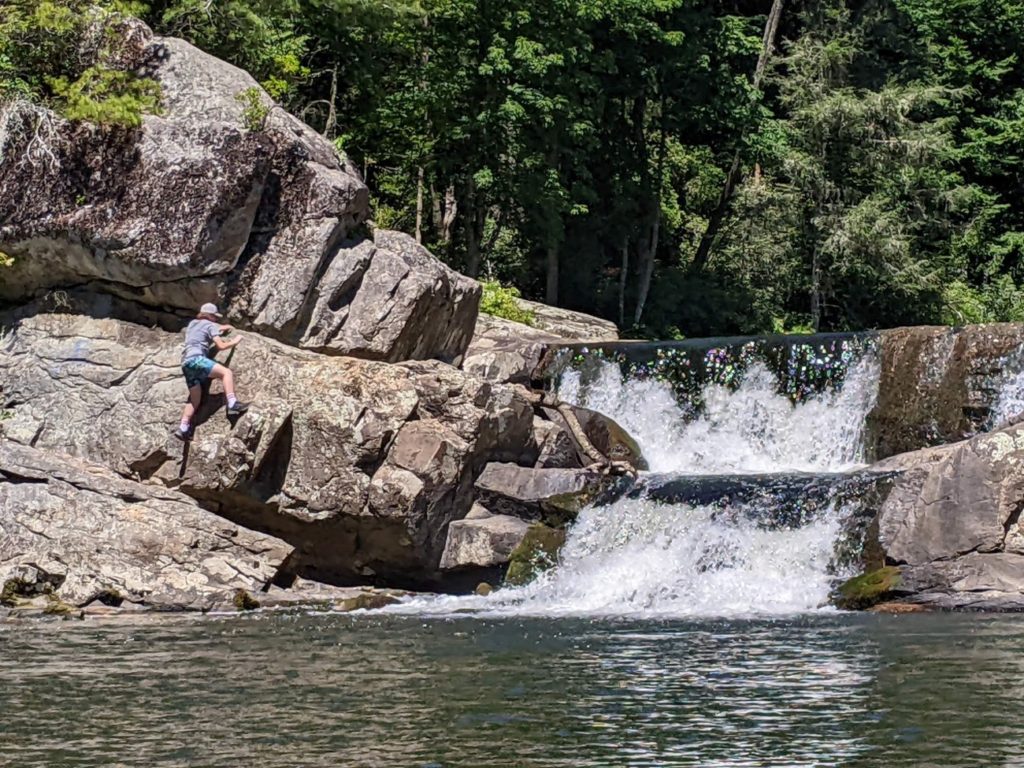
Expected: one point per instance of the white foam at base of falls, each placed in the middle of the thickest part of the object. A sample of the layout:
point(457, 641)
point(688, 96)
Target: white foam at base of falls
point(641, 558)
point(751, 429)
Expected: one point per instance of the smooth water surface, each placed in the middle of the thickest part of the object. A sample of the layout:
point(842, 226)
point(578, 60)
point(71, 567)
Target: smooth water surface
point(365, 690)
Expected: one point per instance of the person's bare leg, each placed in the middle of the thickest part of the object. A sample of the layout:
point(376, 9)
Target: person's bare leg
point(227, 379)
point(195, 395)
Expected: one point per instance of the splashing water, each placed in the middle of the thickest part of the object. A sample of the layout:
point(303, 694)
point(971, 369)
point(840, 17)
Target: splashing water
point(751, 429)
point(721, 412)
point(637, 557)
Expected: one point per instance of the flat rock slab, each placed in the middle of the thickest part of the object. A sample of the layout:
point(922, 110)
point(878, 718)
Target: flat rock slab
point(82, 534)
point(482, 541)
point(554, 495)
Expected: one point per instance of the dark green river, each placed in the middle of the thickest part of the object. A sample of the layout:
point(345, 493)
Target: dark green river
point(372, 690)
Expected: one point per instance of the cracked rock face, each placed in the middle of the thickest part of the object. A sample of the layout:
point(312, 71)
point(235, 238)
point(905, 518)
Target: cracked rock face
point(938, 384)
point(360, 465)
point(952, 522)
point(83, 534)
point(195, 207)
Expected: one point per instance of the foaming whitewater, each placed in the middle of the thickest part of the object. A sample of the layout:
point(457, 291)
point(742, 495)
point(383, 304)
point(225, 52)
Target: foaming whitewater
point(750, 429)
point(640, 558)
point(716, 417)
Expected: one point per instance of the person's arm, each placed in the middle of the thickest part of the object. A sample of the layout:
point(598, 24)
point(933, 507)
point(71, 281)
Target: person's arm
point(221, 344)
point(225, 329)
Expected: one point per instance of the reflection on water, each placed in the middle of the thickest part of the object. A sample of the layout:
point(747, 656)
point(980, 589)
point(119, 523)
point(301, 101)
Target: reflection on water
point(290, 690)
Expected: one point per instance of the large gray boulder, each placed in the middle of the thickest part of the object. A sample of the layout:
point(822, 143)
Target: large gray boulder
point(503, 350)
point(196, 206)
point(551, 495)
point(359, 465)
point(939, 385)
point(951, 523)
point(568, 324)
point(81, 534)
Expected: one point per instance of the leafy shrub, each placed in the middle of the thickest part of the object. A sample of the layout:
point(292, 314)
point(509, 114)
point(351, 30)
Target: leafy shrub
point(255, 111)
point(501, 301)
point(64, 54)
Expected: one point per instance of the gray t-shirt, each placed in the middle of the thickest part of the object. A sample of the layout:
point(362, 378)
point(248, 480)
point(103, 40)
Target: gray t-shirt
point(199, 337)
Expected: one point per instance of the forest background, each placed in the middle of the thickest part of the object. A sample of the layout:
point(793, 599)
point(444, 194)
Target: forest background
point(683, 168)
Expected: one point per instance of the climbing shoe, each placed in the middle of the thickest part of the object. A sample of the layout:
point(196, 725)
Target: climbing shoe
point(182, 434)
point(238, 408)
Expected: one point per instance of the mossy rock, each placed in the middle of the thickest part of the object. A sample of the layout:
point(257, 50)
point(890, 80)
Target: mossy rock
point(367, 601)
point(244, 601)
point(483, 589)
point(866, 590)
point(12, 591)
point(56, 607)
point(536, 553)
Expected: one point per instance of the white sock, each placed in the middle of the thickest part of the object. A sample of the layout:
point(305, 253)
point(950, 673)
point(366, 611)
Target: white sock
point(231, 401)
point(185, 425)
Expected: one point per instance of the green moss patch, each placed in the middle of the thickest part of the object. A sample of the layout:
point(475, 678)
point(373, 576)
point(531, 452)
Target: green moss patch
point(536, 553)
point(244, 601)
point(867, 589)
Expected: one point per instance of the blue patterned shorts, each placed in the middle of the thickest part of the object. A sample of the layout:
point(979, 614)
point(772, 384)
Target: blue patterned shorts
point(197, 370)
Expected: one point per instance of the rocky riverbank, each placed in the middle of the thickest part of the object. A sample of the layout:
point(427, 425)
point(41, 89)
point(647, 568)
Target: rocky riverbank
point(365, 441)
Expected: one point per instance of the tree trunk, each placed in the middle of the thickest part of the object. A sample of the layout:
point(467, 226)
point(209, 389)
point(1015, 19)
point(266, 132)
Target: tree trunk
point(649, 254)
point(623, 272)
point(732, 178)
point(451, 208)
point(475, 221)
point(331, 124)
point(816, 289)
point(419, 205)
point(551, 290)
point(647, 270)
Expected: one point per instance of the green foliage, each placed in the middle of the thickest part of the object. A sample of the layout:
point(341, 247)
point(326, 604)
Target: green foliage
point(502, 301)
point(255, 111)
point(65, 53)
point(579, 149)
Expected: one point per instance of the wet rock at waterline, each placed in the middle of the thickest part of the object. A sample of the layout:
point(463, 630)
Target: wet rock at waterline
point(73, 533)
point(196, 206)
point(951, 524)
point(536, 553)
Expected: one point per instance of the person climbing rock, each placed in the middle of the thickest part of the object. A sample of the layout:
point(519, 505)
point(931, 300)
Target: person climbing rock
point(202, 334)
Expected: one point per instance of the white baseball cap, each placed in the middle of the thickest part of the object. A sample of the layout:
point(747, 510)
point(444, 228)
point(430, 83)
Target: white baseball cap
point(209, 309)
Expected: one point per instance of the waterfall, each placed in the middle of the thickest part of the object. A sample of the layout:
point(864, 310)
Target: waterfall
point(757, 502)
point(754, 448)
point(752, 428)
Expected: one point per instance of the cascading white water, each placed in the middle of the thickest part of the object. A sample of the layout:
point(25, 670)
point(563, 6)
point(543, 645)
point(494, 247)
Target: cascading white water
point(751, 429)
point(640, 558)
